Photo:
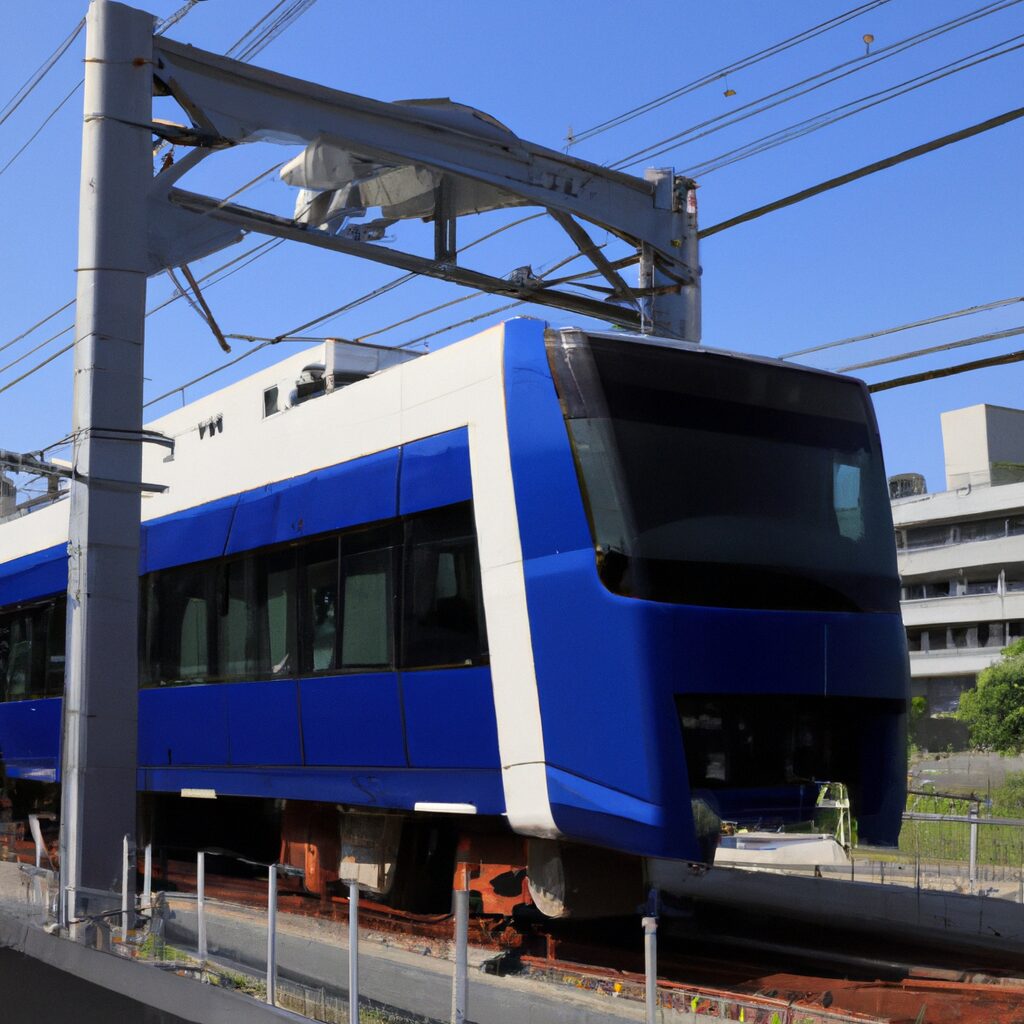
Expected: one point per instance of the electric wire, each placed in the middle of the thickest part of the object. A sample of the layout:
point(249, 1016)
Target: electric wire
point(262, 34)
point(39, 74)
point(250, 33)
point(714, 76)
point(862, 172)
point(160, 29)
point(256, 252)
point(46, 120)
point(404, 279)
point(617, 264)
point(978, 339)
point(263, 343)
point(870, 336)
point(294, 11)
point(249, 256)
point(172, 19)
point(947, 371)
point(820, 79)
point(879, 165)
point(37, 325)
point(803, 128)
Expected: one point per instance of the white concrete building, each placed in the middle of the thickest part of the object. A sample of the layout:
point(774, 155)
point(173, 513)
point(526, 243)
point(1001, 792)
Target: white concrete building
point(961, 555)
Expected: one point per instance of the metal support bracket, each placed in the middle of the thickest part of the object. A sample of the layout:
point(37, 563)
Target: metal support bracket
point(428, 159)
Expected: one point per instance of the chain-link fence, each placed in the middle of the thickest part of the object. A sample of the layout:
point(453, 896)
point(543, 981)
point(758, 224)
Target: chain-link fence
point(951, 844)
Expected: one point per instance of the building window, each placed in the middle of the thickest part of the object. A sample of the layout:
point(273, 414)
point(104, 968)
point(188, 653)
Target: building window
point(981, 587)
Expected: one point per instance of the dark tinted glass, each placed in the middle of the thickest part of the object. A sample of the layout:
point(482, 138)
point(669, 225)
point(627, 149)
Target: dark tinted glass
point(276, 614)
point(444, 621)
point(178, 606)
point(325, 605)
point(23, 653)
point(723, 481)
point(56, 634)
point(368, 597)
point(320, 606)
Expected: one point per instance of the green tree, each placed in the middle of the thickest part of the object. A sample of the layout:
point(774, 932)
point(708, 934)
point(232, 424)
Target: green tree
point(994, 710)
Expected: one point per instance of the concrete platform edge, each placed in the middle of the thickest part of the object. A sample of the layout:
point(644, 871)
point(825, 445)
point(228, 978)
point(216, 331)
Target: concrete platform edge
point(182, 997)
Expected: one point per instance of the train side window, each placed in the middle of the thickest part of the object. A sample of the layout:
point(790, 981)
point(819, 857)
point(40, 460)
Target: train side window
point(319, 606)
point(367, 607)
point(443, 620)
point(23, 653)
point(56, 632)
point(276, 606)
point(236, 611)
point(177, 609)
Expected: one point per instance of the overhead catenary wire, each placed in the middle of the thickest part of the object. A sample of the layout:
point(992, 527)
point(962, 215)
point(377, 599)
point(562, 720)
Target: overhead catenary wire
point(728, 69)
point(947, 371)
point(817, 121)
point(237, 262)
point(813, 82)
point(251, 51)
point(172, 19)
point(267, 342)
point(742, 218)
point(851, 176)
point(39, 128)
point(796, 131)
point(389, 286)
point(37, 325)
point(40, 73)
point(867, 169)
point(267, 29)
point(978, 339)
point(871, 335)
point(347, 305)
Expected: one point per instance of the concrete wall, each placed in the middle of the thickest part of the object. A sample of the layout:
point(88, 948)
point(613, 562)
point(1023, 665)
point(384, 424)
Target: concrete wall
point(983, 444)
point(35, 991)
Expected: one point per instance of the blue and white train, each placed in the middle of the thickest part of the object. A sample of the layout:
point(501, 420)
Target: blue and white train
point(596, 590)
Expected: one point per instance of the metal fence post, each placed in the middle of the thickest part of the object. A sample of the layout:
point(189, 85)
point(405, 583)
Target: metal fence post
point(147, 879)
point(201, 903)
point(650, 925)
point(973, 867)
point(124, 887)
point(651, 968)
point(353, 952)
point(272, 935)
point(460, 981)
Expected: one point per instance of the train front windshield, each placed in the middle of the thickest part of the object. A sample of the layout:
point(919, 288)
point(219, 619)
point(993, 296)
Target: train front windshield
point(720, 481)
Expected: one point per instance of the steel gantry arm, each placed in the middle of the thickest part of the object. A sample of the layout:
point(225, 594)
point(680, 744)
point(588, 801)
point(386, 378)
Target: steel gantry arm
point(431, 160)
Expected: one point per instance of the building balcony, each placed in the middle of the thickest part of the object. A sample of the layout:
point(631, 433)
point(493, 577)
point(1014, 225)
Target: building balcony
point(968, 502)
point(966, 555)
point(964, 608)
point(956, 662)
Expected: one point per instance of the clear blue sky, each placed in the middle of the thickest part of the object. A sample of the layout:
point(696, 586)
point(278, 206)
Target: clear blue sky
point(936, 234)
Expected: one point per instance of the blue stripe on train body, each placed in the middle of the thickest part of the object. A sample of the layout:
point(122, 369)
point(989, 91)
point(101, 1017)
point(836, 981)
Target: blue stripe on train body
point(388, 739)
point(609, 667)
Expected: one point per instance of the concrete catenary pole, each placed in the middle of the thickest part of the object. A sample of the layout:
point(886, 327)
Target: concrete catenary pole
point(101, 689)
point(677, 312)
